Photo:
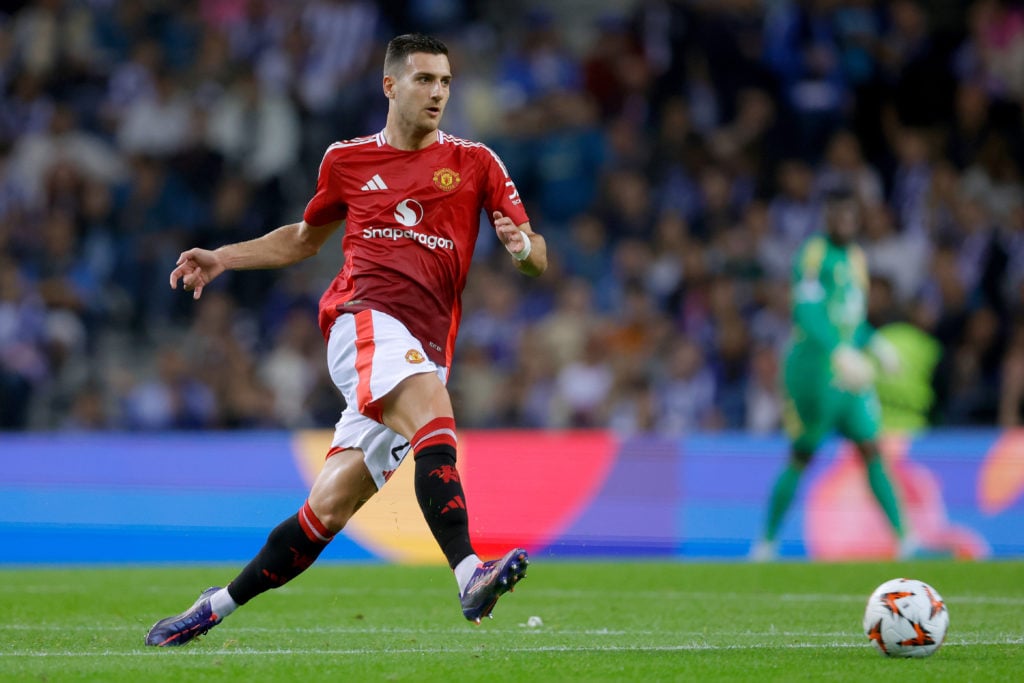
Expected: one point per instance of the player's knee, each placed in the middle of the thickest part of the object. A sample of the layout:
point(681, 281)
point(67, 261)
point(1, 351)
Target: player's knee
point(334, 514)
point(342, 487)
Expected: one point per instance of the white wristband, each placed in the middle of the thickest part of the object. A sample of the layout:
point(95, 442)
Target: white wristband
point(525, 252)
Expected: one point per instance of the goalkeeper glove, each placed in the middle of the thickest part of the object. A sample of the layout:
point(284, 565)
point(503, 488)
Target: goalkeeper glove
point(853, 371)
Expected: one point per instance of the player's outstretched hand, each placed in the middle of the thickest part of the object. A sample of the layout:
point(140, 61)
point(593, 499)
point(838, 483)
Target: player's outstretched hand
point(196, 268)
point(509, 233)
point(853, 371)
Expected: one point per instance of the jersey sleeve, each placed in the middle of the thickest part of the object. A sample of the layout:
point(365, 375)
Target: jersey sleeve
point(327, 205)
point(859, 267)
point(500, 193)
point(810, 313)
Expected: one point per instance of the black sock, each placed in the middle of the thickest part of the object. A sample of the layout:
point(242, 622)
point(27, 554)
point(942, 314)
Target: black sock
point(439, 493)
point(288, 552)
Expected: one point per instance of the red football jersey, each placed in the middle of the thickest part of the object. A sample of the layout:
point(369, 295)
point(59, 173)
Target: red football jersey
point(412, 219)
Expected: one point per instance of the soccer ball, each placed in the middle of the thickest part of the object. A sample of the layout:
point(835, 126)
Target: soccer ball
point(906, 618)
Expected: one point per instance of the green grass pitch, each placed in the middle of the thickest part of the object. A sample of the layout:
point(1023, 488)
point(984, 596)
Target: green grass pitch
point(608, 621)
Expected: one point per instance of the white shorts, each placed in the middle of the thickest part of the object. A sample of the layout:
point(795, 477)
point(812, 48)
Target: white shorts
point(368, 354)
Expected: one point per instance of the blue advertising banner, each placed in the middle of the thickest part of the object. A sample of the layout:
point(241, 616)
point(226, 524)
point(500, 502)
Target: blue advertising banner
point(213, 497)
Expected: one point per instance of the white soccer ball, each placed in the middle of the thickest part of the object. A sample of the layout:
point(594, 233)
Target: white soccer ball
point(906, 618)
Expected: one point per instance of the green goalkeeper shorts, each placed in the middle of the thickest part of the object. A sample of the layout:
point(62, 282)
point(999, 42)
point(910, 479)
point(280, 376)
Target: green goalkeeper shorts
point(815, 409)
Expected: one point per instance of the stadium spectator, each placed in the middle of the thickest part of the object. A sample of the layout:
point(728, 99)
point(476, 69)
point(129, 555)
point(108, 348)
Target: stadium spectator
point(583, 387)
point(255, 129)
point(794, 212)
point(23, 362)
point(763, 403)
point(1011, 396)
point(802, 50)
point(568, 156)
point(899, 258)
point(844, 164)
point(911, 178)
point(64, 142)
point(538, 65)
point(159, 123)
point(293, 368)
point(27, 110)
point(686, 391)
point(969, 375)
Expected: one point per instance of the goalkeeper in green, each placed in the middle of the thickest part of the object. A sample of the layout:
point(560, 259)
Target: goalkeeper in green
point(828, 378)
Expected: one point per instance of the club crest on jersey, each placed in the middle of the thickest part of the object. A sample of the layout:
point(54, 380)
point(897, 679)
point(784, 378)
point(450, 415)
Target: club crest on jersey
point(446, 179)
point(413, 356)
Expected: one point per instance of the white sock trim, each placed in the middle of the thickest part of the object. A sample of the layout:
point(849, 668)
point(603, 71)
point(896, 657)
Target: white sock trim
point(464, 571)
point(222, 603)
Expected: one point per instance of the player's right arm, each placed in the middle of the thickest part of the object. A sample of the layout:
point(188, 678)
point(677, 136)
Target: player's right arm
point(810, 311)
point(284, 246)
point(851, 369)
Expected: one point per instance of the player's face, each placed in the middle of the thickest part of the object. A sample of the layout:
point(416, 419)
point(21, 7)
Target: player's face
point(419, 93)
point(843, 220)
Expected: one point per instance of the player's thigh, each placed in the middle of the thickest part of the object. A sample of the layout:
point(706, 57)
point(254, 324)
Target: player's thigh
point(861, 417)
point(342, 487)
point(810, 411)
point(369, 354)
point(416, 400)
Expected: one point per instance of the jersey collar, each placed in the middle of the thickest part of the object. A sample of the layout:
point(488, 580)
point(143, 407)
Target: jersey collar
point(383, 140)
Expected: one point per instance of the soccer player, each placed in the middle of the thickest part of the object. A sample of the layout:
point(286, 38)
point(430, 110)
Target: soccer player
point(828, 378)
point(409, 198)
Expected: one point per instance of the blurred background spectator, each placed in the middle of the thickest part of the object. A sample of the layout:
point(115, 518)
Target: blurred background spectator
point(673, 153)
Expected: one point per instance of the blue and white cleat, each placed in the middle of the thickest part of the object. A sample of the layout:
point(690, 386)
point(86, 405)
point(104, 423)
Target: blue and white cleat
point(192, 623)
point(490, 581)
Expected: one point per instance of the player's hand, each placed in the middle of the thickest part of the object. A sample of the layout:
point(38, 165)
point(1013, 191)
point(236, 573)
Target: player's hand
point(196, 268)
point(886, 354)
point(853, 371)
point(509, 234)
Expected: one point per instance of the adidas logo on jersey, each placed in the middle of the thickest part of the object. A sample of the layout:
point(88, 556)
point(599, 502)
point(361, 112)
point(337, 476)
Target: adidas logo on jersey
point(374, 183)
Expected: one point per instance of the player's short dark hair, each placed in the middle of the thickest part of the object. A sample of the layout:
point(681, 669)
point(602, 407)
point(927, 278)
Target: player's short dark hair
point(402, 46)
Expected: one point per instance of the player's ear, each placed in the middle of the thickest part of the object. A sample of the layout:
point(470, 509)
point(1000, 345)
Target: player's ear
point(389, 86)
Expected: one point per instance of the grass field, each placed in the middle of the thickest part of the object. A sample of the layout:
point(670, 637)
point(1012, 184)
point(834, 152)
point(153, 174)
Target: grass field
point(601, 622)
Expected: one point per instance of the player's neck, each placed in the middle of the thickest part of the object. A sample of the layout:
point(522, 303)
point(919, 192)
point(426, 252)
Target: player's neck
point(408, 140)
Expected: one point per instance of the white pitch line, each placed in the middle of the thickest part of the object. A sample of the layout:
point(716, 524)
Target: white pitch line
point(519, 630)
point(687, 647)
point(608, 595)
point(663, 595)
point(617, 595)
point(487, 632)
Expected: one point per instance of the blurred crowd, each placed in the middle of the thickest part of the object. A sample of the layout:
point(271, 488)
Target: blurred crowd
point(671, 152)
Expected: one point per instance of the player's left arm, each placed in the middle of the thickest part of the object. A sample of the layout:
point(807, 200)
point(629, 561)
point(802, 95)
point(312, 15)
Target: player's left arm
point(529, 250)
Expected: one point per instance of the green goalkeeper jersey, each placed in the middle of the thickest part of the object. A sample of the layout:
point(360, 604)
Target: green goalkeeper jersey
point(829, 300)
